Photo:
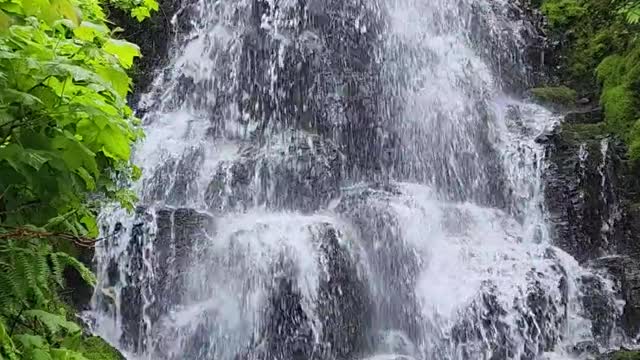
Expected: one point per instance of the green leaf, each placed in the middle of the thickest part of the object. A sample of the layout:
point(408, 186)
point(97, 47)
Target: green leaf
point(65, 9)
point(32, 341)
point(140, 13)
point(88, 31)
point(34, 158)
point(116, 77)
point(66, 354)
point(8, 96)
point(124, 51)
point(115, 144)
point(52, 322)
point(5, 21)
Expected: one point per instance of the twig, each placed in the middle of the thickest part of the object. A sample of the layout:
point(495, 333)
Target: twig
point(21, 233)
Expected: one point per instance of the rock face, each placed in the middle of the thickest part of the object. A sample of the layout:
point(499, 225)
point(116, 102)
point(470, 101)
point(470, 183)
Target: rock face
point(159, 248)
point(590, 194)
point(301, 173)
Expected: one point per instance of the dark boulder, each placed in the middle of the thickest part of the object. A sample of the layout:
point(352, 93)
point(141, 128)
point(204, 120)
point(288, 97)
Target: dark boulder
point(588, 116)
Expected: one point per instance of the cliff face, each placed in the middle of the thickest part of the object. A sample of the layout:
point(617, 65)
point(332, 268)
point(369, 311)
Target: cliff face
point(591, 195)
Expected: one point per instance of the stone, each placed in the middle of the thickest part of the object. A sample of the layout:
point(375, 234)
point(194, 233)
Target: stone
point(589, 116)
point(584, 348)
point(584, 189)
point(343, 308)
point(171, 248)
point(626, 272)
point(301, 173)
point(395, 266)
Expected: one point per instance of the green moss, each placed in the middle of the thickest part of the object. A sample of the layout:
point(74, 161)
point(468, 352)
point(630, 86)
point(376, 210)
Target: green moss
point(611, 70)
point(626, 355)
point(95, 348)
point(562, 12)
point(620, 109)
point(582, 133)
point(558, 95)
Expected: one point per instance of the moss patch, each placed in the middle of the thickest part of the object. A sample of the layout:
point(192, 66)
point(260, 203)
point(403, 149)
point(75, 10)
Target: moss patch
point(584, 132)
point(620, 109)
point(626, 355)
point(557, 95)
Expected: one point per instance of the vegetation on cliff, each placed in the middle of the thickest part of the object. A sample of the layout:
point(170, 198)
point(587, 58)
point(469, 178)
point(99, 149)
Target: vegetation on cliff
point(65, 137)
point(600, 57)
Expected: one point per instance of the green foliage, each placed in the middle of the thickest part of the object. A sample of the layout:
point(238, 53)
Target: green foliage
point(562, 12)
point(559, 95)
point(620, 108)
point(602, 52)
point(95, 348)
point(65, 142)
point(626, 355)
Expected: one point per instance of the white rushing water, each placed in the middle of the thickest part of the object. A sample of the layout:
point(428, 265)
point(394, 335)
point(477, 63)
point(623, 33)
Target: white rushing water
point(341, 179)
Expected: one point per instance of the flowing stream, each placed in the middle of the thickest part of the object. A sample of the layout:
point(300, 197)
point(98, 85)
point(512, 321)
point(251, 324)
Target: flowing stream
point(343, 179)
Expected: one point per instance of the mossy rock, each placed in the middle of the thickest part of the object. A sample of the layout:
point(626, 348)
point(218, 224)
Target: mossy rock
point(556, 95)
point(582, 133)
point(625, 355)
point(96, 348)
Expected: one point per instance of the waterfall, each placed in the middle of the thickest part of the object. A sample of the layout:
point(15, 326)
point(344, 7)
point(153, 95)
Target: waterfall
point(344, 179)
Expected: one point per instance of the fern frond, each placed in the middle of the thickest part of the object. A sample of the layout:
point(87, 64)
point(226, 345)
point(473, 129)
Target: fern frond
point(57, 270)
point(68, 260)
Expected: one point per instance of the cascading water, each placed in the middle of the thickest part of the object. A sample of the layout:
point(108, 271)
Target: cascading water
point(343, 179)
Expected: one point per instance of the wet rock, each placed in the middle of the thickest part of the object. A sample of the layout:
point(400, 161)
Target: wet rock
point(175, 181)
point(589, 116)
point(394, 265)
point(301, 173)
point(625, 270)
point(343, 309)
point(590, 192)
point(584, 190)
point(344, 302)
point(584, 348)
point(599, 307)
point(155, 265)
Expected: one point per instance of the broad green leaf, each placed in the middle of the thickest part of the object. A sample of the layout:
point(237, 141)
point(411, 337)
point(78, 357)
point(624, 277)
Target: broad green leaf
point(91, 226)
point(88, 31)
point(5, 21)
point(124, 51)
point(115, 144)
point(32, 341)
point(117, 77)
point(8, 96)
point(39, 354)
point(65, 9)
point(140, 13)
point(34, 158)
point(88, 179)
point(54, 323)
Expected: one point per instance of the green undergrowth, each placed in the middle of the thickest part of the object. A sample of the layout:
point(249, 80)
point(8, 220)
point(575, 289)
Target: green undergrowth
point(626, 355)
point(95, 348)
point(581, 133)
point(555, 95)
point(600, 58)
